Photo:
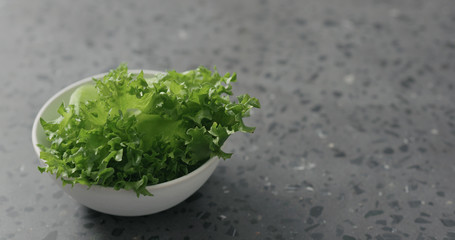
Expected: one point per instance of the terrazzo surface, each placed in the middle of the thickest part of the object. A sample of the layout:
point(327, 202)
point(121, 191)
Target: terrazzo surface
point(355, 137)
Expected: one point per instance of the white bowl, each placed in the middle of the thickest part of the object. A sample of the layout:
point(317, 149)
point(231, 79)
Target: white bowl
point(121, 202)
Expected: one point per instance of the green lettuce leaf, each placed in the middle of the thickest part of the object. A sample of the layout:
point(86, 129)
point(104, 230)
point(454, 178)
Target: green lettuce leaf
point(129, 131)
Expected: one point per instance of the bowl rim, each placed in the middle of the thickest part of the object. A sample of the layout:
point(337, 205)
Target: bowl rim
point(36, 125)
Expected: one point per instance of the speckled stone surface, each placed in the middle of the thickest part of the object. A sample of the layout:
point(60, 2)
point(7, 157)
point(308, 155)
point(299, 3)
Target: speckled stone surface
point(355, 139)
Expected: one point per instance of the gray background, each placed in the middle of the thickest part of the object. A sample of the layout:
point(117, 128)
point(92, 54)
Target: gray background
point(354, 141)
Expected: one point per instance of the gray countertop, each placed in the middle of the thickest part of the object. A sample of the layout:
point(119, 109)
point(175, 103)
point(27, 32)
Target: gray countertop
point(355, 137)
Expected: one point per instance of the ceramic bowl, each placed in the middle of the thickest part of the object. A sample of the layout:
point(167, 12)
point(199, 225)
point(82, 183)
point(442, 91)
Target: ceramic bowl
point(121, 202)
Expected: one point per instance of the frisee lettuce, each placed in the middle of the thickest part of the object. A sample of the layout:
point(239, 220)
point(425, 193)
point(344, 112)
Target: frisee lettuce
point(129, 131)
